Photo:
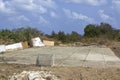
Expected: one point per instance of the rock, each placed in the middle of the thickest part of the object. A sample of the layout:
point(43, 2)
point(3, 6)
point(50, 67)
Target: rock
point(34, 75)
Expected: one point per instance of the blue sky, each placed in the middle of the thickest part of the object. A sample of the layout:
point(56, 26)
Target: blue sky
point(64, 15)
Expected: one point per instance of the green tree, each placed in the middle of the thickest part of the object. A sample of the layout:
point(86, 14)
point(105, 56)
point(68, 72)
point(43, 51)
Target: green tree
point(106, 28)
point(61, 36)
point(28, 33)
point(106, 31)
point(8, 36)
point(53, 35)
point(116, 35)
point(91, 31)
point(74, 37)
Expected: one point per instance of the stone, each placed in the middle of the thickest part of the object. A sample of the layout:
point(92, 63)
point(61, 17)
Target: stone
point(34, 75)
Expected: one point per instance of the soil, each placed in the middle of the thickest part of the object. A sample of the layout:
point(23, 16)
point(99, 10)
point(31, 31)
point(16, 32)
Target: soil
point(115, 47)
point(116, 50)
point(63, 73)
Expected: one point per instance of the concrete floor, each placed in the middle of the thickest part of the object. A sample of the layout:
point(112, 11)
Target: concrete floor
point(66, 56)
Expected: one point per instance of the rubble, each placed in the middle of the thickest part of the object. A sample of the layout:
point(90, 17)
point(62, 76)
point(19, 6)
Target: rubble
point(33, 75)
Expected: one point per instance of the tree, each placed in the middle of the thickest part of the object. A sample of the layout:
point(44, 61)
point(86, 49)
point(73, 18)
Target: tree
point(116, 35)
point(53, 35)
point(106, 28)
point(74, 37)
point(8, 36)
point(91, 31)
point(61, 36)
point(106, 31)
point(28, 33)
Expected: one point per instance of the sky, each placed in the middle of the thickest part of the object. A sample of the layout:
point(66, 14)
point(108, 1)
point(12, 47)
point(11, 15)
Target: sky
point(58, 15)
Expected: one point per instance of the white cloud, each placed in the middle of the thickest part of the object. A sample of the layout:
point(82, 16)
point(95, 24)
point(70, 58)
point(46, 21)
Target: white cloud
point(19, 19)
point(30, 8)
point(116, 5)
point(39, 6)
point(77, 16)
point(103, 15)
point(22, 18)
point(68, 13)
point(28, 5)
point(88, 2)
point(53, 14)
point(46, 3)
point(4, 8)
point(42, 20)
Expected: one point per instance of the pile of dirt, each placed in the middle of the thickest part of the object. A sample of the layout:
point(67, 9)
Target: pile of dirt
point(34, 75)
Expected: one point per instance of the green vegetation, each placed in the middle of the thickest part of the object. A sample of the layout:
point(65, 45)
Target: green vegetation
point(92, 32)
point(2, 52)
point(26, 34)
point(18, 35)
point(66, 38)
point(104, 31)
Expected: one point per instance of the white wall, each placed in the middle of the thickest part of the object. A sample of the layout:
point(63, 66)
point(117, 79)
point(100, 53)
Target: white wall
point(2, 48)
point(14, 46)
point(37, 42)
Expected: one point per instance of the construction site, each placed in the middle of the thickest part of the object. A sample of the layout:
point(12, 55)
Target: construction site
point(59, 39)
point(85, 61)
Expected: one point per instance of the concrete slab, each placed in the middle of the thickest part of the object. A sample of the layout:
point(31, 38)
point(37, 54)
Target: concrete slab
point(94, 64)
point(69, 63)
point(67, 56)
point(95, 55)
point(111, 58)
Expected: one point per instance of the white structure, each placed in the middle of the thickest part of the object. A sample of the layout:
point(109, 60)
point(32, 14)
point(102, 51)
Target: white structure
point(2, 48)
point(37, 42)
point(14, 46)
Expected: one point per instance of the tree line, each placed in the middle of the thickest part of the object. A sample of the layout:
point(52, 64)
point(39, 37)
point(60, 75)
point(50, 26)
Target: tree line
point(18, 35)
point(66, 38)
point(103, 31)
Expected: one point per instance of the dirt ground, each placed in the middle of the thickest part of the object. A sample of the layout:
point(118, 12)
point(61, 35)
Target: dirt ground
point(116, 51)
point(63, 73)
point(115, 47)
